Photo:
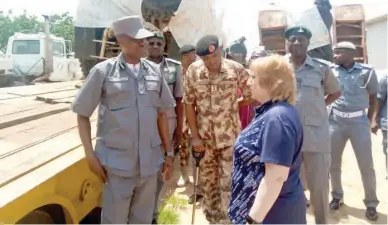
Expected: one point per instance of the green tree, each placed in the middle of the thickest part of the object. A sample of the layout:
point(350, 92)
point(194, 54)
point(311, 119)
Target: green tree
point(61, 25)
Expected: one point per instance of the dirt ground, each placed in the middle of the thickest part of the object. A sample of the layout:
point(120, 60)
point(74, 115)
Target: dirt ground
point(351, 213)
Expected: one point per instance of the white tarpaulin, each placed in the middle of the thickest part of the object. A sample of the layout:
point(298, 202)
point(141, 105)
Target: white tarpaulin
point(102, 13)
point(312, 20)
point(197, 18)
point(229, 19)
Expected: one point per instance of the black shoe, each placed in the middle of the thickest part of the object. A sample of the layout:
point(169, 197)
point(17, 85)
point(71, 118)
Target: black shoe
point(191, 199)
point(371, 214)
point(154, 221)
point(335, 204)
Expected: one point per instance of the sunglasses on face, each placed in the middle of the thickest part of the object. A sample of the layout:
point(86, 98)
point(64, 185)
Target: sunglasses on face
point(155, 43)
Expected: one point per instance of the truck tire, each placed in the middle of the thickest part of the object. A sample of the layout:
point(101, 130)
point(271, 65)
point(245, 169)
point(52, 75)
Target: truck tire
point(159, 9)
point(37, 217)
point(87, 65)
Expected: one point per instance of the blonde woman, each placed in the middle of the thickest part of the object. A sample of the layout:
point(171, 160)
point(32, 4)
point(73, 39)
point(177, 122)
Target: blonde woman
point(267, 154)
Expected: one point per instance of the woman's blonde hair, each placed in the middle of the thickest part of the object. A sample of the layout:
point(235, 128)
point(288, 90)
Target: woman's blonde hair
point(275, 74)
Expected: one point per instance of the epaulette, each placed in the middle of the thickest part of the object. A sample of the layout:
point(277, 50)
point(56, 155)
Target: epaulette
point(367, 66)
point(149, 64)
point(173, 61)
point(322, 61)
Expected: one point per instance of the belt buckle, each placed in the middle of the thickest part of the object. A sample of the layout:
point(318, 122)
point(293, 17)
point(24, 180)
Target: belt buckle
point(345, 115)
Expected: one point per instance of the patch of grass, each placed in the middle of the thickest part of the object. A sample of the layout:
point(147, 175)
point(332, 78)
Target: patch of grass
point(169, 212)
point(175, 202)
point(168, 216)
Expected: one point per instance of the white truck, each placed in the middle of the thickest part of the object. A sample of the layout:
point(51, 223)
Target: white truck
point(39, 55)
point(5, 65)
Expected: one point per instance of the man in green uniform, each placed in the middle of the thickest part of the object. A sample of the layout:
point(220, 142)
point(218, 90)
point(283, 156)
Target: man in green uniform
point(172, 73)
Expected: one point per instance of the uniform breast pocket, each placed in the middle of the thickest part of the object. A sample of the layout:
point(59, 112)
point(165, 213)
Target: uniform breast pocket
point(311, 86)
point(153, 91)
point(170, 77)
point(358, 85)
point(119, 94)
point(228, 92)
point(202, 95)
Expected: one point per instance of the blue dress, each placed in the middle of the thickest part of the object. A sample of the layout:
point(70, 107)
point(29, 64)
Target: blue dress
point(275, 136)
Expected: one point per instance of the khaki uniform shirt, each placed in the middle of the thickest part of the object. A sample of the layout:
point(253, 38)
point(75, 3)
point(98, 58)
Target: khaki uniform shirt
point(216, 100)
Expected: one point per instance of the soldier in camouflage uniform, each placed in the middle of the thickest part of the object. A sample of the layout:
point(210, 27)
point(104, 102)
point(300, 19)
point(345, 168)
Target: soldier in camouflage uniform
point(211, 106)
point(187, 52)
point(188, 57)
point(172, 72)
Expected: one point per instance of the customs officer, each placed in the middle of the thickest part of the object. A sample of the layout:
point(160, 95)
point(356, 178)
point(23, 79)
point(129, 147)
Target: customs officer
point(317, 87)
point(172, 73)
point(382, 116)
point(350, 121)
point(132, 125)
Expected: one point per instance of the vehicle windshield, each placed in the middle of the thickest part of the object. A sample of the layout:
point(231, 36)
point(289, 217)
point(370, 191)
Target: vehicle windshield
point(33, 47)
point(58, 48)
point(26, 47)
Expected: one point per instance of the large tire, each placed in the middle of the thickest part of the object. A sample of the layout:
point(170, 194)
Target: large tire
point(159, 9)
point(87, 65)
point(37, 217)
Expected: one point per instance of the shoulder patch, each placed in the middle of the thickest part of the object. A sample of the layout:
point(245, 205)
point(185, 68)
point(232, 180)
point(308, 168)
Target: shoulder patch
point(106, 64)
point(332, 65)
point(150, 66)
point(366, 66)
point(173, 61)
point(147, 62)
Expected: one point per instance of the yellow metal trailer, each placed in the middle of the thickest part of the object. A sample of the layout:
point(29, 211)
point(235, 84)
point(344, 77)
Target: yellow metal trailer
point(44, 177)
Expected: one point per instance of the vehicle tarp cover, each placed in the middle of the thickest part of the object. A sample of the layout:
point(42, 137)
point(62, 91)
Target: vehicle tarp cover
point(193, 19)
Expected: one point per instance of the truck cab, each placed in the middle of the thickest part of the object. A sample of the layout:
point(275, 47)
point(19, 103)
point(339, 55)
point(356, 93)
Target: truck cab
point(27, 53)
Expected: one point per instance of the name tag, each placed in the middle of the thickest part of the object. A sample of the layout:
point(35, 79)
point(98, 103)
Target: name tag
point(117, 79)
point(148, 77)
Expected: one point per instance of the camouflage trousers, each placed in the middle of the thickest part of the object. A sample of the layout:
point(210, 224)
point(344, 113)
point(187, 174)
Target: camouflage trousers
point(214, 177)
point(184, 151)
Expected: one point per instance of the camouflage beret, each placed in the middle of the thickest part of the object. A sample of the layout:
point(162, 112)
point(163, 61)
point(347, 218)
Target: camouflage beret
point(299, 30)
point(207, 45)
point(186, 49)
point(157, 34)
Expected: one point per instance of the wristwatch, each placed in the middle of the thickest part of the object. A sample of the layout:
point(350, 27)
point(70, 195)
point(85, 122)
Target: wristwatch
point(170, 153)
point(252, 221)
